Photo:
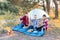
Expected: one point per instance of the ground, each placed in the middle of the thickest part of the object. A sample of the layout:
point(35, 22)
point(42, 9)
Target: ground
point(53, 33)
point(49, 35)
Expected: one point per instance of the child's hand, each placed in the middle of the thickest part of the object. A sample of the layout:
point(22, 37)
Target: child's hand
point(20, 21)
point(40, 23)
point(30, 23)
point(20, 16)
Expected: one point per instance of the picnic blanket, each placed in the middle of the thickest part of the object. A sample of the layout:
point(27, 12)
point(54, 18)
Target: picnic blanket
point(19, 28)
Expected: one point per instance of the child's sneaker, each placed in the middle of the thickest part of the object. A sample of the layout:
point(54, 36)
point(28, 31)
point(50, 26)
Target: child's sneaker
point(25, 27)
point(30, 30)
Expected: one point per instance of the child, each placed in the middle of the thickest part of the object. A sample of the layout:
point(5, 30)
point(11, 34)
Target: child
point(34, 23)
point(25, 20)
point(45, 22)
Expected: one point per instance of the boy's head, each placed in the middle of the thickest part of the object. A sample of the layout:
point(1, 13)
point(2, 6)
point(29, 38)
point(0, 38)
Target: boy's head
point(35, 16)
point(26, 14)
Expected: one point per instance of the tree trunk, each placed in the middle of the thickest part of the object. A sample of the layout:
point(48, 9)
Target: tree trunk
point(56, 8)
point(44, 6)
point(59, 2)
point(38, 0)
point(48, 5)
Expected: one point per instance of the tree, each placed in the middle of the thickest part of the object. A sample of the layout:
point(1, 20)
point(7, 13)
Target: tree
point(48, 5)
point(44, 6)
point(56, 8)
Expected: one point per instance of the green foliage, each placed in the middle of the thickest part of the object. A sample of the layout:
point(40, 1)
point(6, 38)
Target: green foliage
point(10, 24)
point(10, 19)
point(2, 12)
point(13, 9)
point(5, 6)
point(26, 6)
point(1, 30)
point(9, 15)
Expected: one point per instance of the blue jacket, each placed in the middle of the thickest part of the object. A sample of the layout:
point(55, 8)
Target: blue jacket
point(34, 22)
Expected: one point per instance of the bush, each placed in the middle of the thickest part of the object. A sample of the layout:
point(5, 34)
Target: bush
point(2, 12)
point(8, 6)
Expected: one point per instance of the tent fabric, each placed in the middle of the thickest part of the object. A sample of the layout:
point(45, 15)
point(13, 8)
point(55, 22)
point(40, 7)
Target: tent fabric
point(37, 12)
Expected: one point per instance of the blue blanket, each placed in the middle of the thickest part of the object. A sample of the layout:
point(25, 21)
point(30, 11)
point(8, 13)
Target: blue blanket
point(19, 28)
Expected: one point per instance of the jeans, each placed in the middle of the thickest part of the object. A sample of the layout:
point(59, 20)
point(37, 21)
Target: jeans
point(22, 25)
point(39, 28)
point(32, 27)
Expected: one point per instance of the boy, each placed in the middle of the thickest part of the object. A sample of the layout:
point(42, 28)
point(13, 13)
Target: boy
point(34, 23)
point(25, 20)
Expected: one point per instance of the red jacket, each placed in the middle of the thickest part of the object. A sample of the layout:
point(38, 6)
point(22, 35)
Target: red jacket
point(25, 20)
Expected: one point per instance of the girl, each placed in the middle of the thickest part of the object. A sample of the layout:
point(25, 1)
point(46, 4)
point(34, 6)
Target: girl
point(45, 22)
